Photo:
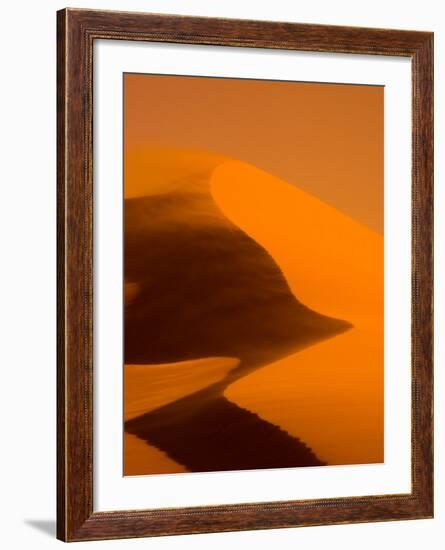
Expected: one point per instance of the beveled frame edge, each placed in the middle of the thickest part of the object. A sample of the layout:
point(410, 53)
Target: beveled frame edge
point(76, 31)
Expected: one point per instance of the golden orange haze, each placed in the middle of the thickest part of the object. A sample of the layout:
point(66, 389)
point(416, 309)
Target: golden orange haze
point(327, 139)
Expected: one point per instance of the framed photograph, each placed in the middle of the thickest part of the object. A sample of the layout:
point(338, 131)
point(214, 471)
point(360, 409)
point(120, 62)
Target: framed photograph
point(244, 274)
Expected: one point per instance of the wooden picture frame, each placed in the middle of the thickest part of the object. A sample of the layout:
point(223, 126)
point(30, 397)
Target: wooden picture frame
point(76, 32)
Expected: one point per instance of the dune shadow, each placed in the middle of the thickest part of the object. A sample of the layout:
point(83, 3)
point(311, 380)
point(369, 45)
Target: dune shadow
point(201, 287)
point(207, 435)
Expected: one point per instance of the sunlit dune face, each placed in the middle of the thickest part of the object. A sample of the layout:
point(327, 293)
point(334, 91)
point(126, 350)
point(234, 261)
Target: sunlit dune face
point(253, 302)
point(330, 394)
point(332, 262)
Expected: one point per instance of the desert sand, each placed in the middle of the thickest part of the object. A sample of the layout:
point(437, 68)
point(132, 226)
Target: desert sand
point(330, 394)
point(151, 386)
point(319, 398)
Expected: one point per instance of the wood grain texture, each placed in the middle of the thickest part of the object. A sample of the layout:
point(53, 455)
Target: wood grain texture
point(76, 31)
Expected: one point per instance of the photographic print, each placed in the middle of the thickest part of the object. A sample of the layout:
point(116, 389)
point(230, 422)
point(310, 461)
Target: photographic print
point(253, 274)
point(244, 274)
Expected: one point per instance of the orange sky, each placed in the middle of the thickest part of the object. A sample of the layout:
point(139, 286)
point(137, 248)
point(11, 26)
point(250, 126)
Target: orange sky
point(325, 138)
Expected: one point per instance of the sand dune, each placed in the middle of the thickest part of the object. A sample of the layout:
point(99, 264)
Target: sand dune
point(269, 276)
point(148, 387)
point(153, 386)
point(333, 263)
point(330, 394)
point(205, 288)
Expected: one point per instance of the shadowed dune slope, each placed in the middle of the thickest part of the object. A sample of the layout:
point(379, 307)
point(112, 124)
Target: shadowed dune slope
point(201, 287)
point(198, 286)
point(207, 433)
point(149, 387)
